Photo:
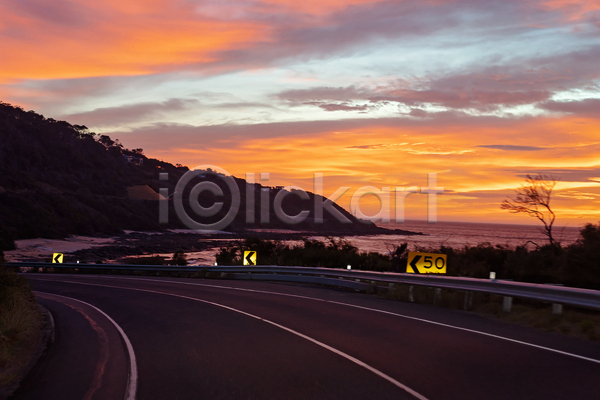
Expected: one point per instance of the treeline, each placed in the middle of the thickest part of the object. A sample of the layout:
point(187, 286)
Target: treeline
point(576, 265)
point(59, 179)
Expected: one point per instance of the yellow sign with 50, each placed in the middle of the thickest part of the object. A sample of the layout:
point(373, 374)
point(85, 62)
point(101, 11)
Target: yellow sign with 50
point(426, 263)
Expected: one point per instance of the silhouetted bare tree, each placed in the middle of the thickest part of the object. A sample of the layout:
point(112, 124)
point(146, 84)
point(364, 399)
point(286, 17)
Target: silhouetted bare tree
point(533, 198)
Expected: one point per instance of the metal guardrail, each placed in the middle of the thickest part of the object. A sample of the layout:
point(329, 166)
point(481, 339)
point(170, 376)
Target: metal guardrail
point(362, 280)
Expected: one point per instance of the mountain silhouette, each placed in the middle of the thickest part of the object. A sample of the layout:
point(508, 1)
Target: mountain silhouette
point(59, 179)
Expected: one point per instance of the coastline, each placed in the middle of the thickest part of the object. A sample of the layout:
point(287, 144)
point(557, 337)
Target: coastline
point(115, 248)
point(200, 248)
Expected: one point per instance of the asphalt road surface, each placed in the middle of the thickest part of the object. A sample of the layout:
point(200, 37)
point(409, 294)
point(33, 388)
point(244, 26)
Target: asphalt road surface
point(166, 338)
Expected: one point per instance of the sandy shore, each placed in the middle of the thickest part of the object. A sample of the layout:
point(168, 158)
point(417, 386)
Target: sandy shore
point(28, 249)
point(200, 247)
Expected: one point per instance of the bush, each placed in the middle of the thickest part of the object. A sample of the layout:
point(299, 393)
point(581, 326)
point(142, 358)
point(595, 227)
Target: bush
point(228, 256)
point(179, 258)
point(20, 321)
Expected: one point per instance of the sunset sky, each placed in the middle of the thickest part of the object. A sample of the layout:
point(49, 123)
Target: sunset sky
point(376, 93)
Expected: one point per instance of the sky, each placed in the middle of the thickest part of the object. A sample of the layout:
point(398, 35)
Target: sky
point(368, 93)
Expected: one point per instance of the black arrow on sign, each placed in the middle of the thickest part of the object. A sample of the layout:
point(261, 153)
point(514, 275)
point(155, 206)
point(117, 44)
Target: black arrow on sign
point(249, 256)
point(413, 264)
point(56, 258)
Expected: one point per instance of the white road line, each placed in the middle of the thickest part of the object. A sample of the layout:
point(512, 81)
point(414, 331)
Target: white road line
point(131, 390)
point(325, 346)
point(375, 310)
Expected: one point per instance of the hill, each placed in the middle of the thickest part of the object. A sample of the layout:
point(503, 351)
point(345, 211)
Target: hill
point(59, 179)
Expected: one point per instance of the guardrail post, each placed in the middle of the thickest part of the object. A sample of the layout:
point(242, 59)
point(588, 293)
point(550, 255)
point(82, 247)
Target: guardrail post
point(557, 309)
point(506, 304)
point(468, 303)
point(437, 296)
point(391, 287)
point(372, 287)
point(411, 294)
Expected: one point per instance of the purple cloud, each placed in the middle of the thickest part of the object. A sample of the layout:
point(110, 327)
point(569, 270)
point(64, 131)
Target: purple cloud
point(590, 107)
point(510, 147)
point(57, 12)
point(564, 174)
point(342, 107)
point(484, 89)
point(111, 116)
point(365, 147)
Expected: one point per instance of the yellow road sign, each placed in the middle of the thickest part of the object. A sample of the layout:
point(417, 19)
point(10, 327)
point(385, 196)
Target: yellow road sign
point(426, 263)
point(249, 258)
point(57, 258)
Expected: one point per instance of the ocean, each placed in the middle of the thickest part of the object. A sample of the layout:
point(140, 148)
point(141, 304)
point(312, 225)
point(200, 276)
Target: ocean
point(460, 234)
point(449, 234)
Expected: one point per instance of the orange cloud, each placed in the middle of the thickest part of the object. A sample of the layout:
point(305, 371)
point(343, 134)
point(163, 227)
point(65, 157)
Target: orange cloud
point(476, 178)
point(114, 38)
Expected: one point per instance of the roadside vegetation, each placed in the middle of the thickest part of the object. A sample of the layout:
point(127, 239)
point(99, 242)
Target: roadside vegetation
point(576, 265)
point(311, 253)
point(20, 323)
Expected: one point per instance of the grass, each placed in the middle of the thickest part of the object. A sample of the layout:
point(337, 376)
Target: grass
point(20, 324)
point(573, 321)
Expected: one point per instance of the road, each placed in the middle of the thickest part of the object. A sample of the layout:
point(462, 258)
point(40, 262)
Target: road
point(168, 338)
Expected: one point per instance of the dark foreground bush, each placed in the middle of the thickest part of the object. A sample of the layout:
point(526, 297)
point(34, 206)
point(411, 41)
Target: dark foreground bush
point(20, 323)
point(311, 253)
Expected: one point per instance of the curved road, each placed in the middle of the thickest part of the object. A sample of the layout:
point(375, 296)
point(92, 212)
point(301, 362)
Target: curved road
point(167, 338)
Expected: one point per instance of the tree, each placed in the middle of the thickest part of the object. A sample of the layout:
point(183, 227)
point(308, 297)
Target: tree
point(106, 141)
point(533, 198)
point(399, 255)
point(179, 258)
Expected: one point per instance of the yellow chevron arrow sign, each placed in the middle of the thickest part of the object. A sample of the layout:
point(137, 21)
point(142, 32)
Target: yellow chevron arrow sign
point(249, 258)
point(426, 263)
